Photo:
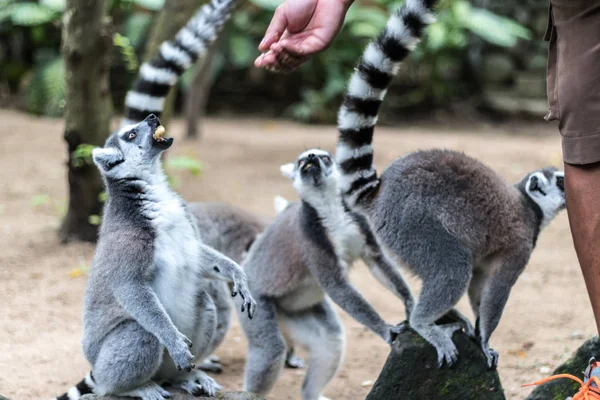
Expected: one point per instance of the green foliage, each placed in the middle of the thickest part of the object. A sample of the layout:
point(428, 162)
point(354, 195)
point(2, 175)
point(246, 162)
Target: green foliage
point(46, 89)
point(127, 51)
point(28, 14)
point(40, 199)
point(184, 163)
point(95, 219)
point(103, 196)
point(436, 72)
point(136, 28)
point(432, 73)
point(83, 155)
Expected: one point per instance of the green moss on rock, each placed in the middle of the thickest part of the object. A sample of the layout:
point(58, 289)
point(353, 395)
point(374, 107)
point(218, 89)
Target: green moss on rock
point(563, 388)
point(411, 373)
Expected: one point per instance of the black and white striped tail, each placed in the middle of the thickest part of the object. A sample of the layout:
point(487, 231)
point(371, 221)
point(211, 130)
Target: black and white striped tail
point(86, 386)
point(156, 77)
point(367, 88)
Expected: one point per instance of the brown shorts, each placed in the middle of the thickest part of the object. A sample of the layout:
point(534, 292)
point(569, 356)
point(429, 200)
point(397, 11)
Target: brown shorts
point(573, 78)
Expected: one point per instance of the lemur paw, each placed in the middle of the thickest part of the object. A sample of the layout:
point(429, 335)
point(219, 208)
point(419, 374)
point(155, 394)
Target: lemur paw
point(447, 355)
point(396, 330)
point(181, 354)
point(196, 383)
point(292, 361)
point(248, 302)
point(492, 357)
point(148, 391)
point(211, 364)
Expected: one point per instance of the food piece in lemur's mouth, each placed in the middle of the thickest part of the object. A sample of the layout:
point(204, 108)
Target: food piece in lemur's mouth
point(159, 134)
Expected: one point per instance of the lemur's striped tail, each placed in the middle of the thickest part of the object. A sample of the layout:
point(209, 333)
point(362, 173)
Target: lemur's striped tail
point(86, 386)
point(156, 77)
point(367, 88)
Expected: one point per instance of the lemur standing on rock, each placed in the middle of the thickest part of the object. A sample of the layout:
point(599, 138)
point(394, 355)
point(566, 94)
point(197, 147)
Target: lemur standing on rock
point(147, 314)
point(452, 220)
point(298, 263)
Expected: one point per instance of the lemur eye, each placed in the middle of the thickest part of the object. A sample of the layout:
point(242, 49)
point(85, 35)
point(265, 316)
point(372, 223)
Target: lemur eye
point(560, 182)
point(131, 135)
point(326, 160)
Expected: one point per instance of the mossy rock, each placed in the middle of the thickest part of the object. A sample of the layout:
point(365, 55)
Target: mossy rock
point(185, 396)
point(560, 389)
point(411, 373)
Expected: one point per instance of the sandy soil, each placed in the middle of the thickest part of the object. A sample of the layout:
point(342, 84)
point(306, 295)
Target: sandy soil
point(546, 318)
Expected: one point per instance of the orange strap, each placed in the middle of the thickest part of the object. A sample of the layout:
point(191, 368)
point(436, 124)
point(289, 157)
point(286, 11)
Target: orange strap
point(586, 391)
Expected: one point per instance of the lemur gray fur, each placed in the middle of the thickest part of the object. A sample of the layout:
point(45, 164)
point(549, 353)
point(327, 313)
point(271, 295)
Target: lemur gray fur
point(174, 57)
point(231, 231)
point(297, 264)
point(147, 314)
point(446, 216)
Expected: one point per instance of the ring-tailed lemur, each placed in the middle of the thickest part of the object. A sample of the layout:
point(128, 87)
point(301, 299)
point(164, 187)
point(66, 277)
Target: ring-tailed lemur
point(157, 76)
point(449, 218)
point(147, 314)
point(231, 231)
point(298, 263)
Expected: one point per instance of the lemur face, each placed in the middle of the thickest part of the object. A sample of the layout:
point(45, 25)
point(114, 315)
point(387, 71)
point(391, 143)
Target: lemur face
point(546, 187)
point(132, 148)
point(314, 168)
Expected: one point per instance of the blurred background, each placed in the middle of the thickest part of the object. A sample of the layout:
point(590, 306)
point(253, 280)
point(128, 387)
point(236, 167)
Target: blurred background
point(484, 56)
point(475, 84)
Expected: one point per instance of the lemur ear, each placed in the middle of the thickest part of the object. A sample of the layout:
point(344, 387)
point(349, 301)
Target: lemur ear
point(280, 204)
point(287, 170)
point(534, 184)
point(107, 158)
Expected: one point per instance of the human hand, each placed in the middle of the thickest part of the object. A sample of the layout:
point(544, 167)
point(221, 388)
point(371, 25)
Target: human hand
point(298, 30)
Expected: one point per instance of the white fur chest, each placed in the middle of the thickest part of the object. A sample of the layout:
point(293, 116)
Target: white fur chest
point(345, 235)
point(176, 258)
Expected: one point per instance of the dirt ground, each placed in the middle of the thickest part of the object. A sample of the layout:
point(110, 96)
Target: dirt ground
point(547, 316)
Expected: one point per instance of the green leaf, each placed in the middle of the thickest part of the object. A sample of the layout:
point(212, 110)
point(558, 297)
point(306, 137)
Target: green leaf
point(192, 165)
point(153, 5)
point(54, 5)
point(461, 10)
point(241, 50)
point(95, 219)
point(371, 15)
point(496, 29)
point(436, 37)
point(46, 89)
point(82, 155)
point(31, 14)
point(136, 27)
point(364, 29)
point(6, 9)
point(270, 5)
point(103, 196)
point(127, 51)
point(39, 200)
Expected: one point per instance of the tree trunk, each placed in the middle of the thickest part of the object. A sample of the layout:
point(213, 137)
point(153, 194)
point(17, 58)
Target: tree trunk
point(173, 16)
point(197, 95)
point(87, 41)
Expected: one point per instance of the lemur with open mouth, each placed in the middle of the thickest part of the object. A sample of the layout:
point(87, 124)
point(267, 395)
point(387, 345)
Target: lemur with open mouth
point(147, 314)
point(450, 219)
point(297, 264)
